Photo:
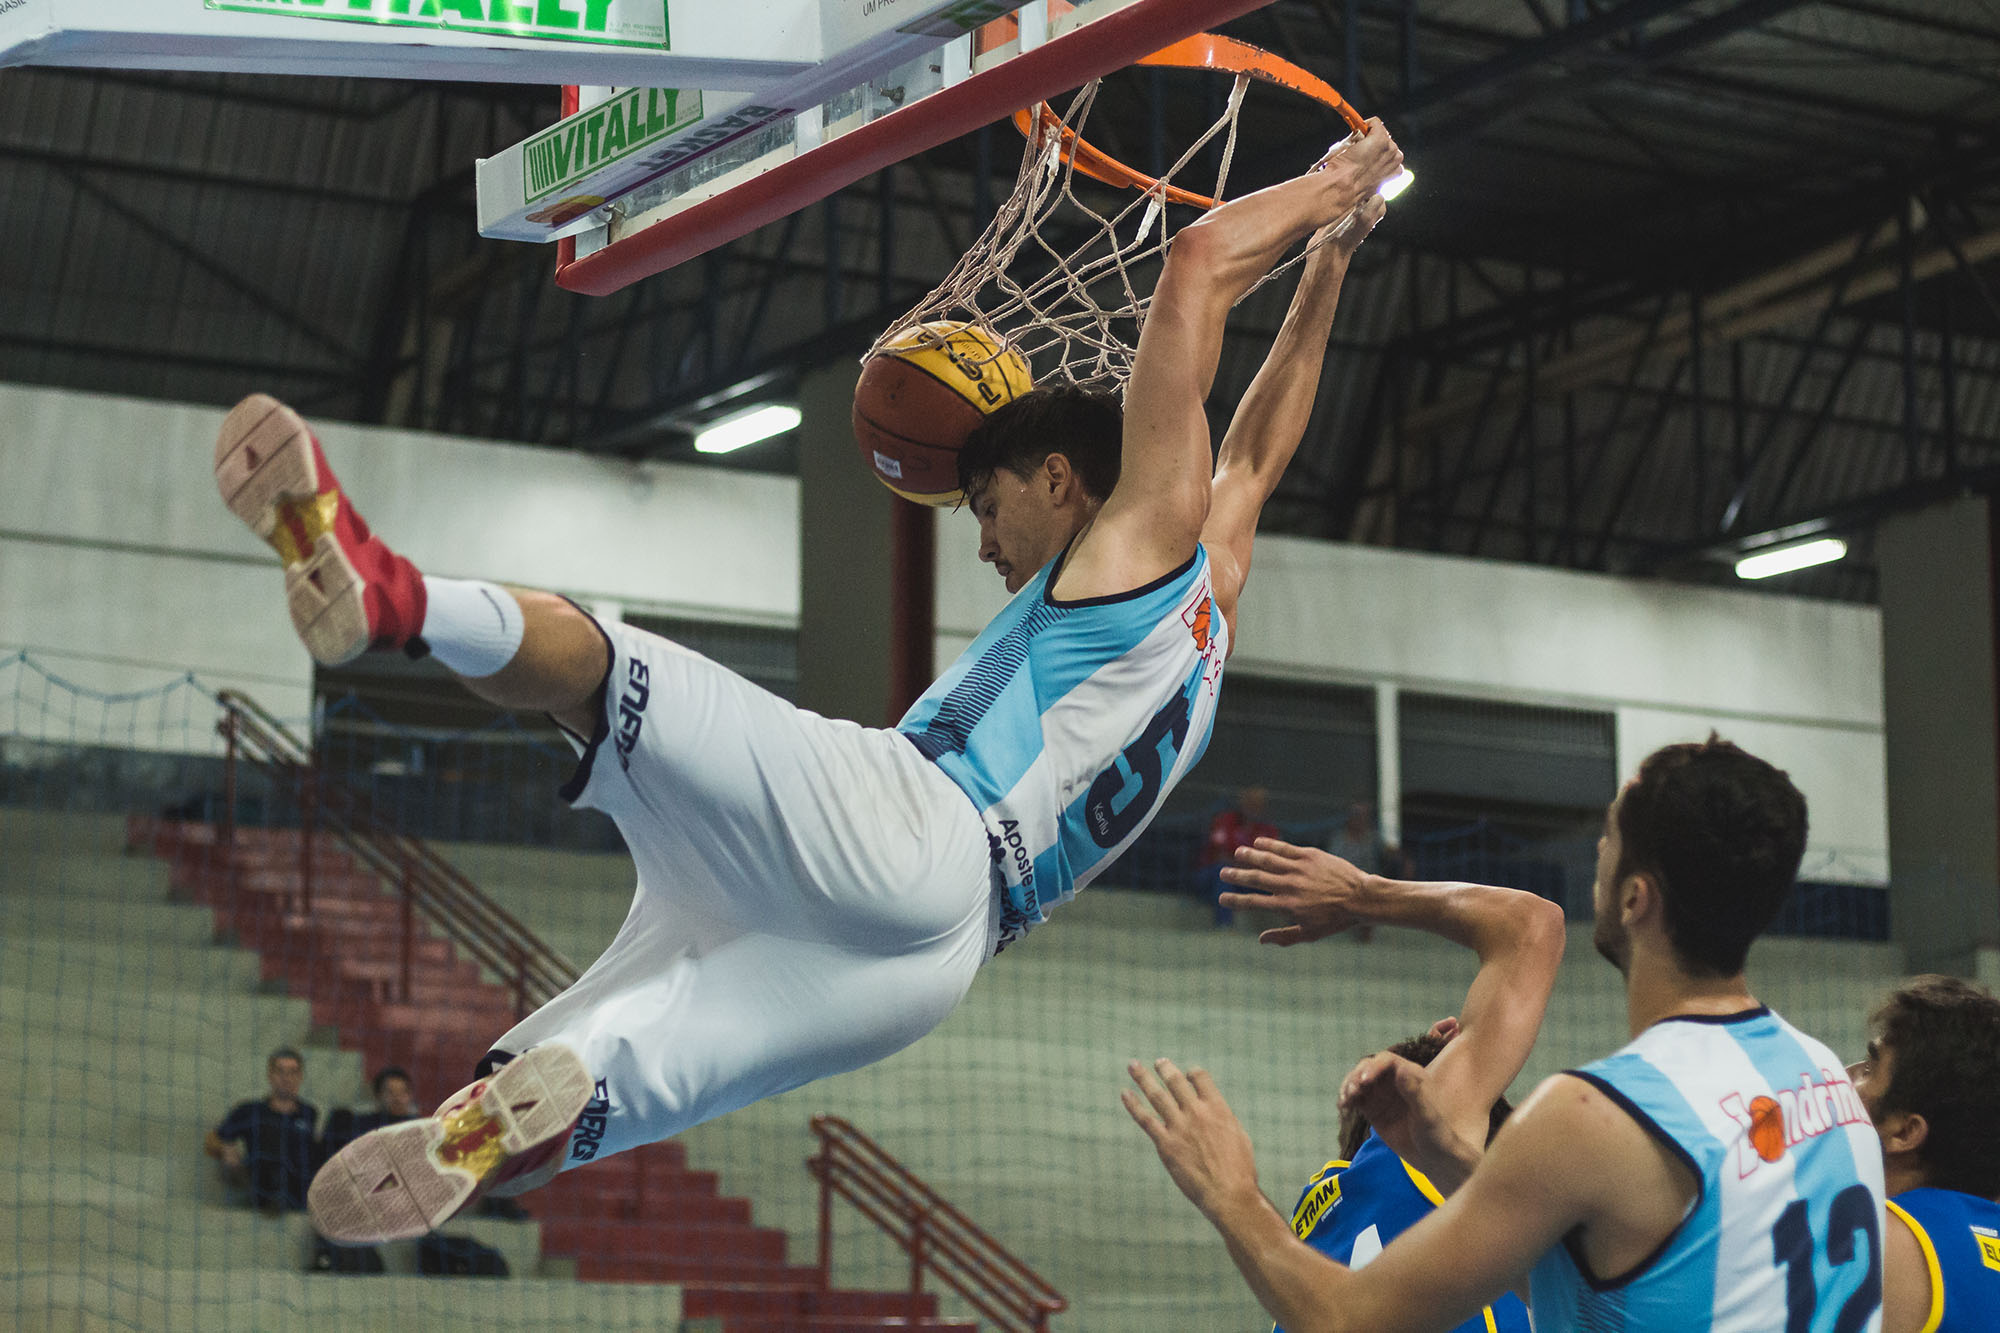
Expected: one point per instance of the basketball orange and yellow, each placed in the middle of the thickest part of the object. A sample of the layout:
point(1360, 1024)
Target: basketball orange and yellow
point(922, 393)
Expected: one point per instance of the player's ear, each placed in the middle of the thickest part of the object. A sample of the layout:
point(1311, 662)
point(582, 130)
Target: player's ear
point(1059, 476)
point(1903, 1131)
point(1639, 898)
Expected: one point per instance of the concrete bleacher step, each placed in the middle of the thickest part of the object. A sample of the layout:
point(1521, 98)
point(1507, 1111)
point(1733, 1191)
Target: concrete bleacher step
point(55, 873)
point(736, 1303)
point(42, 963)
point(680, 1238)
point(173, 1300)
point(57, 1235)
point(141, 921)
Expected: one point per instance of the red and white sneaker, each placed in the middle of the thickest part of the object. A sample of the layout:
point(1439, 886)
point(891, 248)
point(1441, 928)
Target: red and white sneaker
point(403, 1180)
point(348, 591)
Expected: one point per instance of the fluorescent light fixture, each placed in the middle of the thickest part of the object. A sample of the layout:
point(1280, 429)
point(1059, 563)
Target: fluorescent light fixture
point(747, 427)
point(1785, 559)
point(1396, 184)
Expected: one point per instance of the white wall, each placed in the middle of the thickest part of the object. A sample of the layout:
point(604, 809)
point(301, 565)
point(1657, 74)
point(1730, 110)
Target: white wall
point(119, 564)
point(1798, 681)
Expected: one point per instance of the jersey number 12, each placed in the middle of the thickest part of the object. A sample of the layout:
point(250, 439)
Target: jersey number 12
point(1853, 1213)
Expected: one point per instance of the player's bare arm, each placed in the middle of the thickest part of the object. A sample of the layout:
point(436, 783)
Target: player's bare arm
point(1569, 1160)
point(1154, 517)
point(1271, 420)
point(1518, 936)
point(1906, 1279)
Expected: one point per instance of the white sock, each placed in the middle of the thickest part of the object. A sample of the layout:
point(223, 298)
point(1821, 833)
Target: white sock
point(473, 628)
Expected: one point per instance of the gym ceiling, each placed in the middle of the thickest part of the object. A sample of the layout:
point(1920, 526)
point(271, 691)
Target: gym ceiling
point(1679, 278)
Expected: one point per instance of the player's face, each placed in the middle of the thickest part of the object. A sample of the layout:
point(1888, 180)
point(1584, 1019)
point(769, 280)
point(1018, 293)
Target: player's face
point(1019, 527)
point(1870, 1076)
point(1609, 935)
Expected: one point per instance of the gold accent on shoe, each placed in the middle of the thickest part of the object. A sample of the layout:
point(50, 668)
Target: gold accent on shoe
point(472, 1141)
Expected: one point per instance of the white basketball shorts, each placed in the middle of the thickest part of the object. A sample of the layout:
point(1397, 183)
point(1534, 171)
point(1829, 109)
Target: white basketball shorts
point(813, 896)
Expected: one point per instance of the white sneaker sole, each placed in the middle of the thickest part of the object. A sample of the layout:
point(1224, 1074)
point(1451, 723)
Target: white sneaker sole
point(404, 1180)
point(265, 471)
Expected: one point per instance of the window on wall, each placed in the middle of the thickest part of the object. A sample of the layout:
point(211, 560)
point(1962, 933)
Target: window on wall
point(1310, 747)
point(768, 656)
point(444, 764)
point(1505, 793)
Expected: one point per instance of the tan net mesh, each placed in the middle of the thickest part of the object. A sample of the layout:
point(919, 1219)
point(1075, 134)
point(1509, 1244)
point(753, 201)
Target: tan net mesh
point(1074, 310)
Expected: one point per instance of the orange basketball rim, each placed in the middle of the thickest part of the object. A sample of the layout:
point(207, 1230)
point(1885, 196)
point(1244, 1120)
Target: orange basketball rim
point(1205, 51)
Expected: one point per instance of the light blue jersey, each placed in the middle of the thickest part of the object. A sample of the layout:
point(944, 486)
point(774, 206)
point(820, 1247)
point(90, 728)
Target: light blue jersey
point(1786, 1233)
point(1067, 723)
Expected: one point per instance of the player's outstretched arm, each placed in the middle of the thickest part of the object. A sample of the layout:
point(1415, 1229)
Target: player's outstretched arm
point(1272, 418)
point(1155, 514)
point(1562, 1162)
point(1518, 937)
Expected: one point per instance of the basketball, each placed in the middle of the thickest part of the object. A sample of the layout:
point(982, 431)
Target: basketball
point(922, 393)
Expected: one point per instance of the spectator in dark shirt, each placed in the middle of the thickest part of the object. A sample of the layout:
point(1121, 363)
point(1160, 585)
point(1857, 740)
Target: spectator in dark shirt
point(394, 1101)
point(1236, 826)
point(267, 1146)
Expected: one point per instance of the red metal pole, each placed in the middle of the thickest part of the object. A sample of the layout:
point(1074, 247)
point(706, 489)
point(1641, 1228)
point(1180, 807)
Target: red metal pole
point(825, 1212)
point(409, 926)
point(912, 603)
point(308, 803)
point(917, 1261)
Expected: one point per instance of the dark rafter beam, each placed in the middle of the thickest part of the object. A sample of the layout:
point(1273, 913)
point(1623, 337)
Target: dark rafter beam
point(1524, 57)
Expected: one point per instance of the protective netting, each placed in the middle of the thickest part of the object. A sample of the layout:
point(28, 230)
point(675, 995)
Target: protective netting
point(146, 973)
point(1065, 270)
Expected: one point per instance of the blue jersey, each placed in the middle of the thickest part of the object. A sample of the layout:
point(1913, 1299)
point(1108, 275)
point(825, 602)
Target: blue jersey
point(1785, 1234)
point(1350, 1210)
point(1960, 1236)
point(1067, 723)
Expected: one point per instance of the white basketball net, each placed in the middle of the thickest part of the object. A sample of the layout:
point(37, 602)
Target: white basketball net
point(1075, 313)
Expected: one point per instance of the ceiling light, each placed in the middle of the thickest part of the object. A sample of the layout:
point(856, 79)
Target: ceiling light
point(741, 428)
point(1785, 559)
point(1396, 184)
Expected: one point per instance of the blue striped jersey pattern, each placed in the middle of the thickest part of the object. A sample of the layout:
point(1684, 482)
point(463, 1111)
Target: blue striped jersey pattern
point(1350, 1210)
point(1068, 722)
point(1960, 1237)
point(1786, 1234)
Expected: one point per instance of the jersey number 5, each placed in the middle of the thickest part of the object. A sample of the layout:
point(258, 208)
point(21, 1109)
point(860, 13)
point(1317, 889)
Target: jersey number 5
point(1853, 1213)
point(1111, 820)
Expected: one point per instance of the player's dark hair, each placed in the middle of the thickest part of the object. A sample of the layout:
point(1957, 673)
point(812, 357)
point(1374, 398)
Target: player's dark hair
point(1418, 1050)
point(284, 1053)
point(389, 1072)
point(1086, 426)
point(1943, 1034)
point(1721, 832)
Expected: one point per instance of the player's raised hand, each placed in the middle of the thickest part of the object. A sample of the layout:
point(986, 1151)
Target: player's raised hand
point(1200, 1141)
point(1394, 1095)
point(1322, 894)
point(1359, 164)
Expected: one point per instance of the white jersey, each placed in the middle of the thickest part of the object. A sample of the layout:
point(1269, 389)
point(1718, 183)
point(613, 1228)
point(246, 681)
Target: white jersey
point(1786, 1234)
point(1067, 723)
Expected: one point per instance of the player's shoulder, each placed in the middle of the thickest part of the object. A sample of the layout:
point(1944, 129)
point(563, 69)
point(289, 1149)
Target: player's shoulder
point(1578, 1130)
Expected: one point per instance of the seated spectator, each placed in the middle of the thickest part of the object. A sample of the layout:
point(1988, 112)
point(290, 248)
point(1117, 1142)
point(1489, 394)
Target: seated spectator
point(1359, 842)
point(267, 1146)
point(394, 1101)
point(1234, 826)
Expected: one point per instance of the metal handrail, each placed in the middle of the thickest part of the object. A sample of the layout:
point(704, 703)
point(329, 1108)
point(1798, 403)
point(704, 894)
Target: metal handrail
point(937, 1237)
point(428, 883)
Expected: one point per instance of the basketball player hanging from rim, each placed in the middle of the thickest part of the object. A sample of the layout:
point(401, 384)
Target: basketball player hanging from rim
point(814, 895)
